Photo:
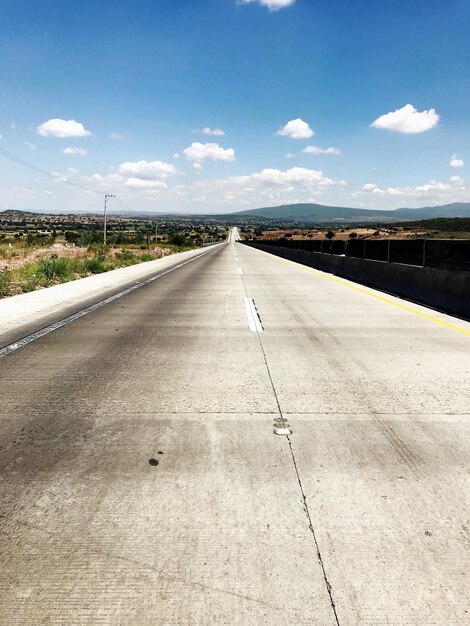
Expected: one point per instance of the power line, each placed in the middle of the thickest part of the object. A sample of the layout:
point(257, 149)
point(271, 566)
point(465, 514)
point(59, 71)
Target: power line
point(124, 205)
point(17, 184)
point(35, 168)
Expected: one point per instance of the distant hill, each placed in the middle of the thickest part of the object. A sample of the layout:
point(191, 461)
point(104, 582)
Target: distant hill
point(15, 214)
point(441, 224)
point(301, 213)
point(321, 214)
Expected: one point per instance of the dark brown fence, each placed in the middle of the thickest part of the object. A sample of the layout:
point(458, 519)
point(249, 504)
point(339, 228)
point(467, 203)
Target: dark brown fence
point(441, 253)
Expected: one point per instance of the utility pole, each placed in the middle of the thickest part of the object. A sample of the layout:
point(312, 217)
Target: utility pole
point(106, 196)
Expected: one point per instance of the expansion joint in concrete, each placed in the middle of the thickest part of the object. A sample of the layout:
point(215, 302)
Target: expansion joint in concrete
point(304, 499)
point(312, 530)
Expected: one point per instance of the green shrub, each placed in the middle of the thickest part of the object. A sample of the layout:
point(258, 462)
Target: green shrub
point(54, 267)
point(5, 281)
point(147, 257)
point(91, 237)
point(31, 283)
point(178, 240)
point(95, 266)
point(127, 257)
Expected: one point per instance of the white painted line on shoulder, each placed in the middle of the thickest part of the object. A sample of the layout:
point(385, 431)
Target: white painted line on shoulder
point(252, 315)
point(12, 347)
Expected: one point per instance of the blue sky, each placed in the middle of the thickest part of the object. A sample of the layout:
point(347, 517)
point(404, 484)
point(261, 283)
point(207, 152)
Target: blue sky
point(126, 89)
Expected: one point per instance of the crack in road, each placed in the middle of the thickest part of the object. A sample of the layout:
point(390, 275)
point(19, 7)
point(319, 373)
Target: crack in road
point(312, 530)
point(296, 469)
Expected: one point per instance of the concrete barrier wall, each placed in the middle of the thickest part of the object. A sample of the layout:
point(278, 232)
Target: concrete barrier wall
point(446, 290)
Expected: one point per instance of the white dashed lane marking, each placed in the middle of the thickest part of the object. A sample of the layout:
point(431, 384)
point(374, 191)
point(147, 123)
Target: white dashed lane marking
point(254, 321)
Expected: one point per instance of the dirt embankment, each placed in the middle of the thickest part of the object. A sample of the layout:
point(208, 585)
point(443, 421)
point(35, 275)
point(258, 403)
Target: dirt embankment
point(16, 258)
point(344, 233)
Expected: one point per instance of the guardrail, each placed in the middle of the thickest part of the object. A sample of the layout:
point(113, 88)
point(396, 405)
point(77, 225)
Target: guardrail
point(440, 253)
point(210, 243)
point(432, 272)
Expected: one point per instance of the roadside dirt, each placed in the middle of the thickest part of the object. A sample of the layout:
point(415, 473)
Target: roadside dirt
point(19, 257)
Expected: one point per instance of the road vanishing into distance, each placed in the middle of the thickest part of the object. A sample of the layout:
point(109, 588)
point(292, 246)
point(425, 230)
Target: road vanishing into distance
point(359, 516)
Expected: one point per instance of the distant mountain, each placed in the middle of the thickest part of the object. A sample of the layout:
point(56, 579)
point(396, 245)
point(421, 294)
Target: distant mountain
point(321, 214)
point(301, 213)
point(15, 214)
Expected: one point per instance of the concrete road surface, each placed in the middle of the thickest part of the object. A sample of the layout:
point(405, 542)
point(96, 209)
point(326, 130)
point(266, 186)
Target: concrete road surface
point(359, 516)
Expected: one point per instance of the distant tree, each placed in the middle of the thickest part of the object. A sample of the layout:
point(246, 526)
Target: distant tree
point(177, 240)
point(90, 237)
point(352, 235)
point(330, 234)
point(71, 236)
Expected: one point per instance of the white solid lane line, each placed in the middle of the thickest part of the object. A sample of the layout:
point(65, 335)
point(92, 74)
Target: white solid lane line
point(254, 321)
point(240, 270)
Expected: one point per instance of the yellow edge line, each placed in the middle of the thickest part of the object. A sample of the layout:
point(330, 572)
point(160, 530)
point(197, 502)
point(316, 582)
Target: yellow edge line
point(431, 318)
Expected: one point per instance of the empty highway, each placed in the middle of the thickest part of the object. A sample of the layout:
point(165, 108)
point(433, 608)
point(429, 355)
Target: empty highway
point(360, 516)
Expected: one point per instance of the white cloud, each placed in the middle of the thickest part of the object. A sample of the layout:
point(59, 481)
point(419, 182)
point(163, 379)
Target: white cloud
point(139, 183)
point(289, 155)
point(407, 120)
point(456, 161)
point(432, 191)
point(13, 126)
point(62, 129)
point(197, 166)
point(267, 187)
point(275, 178)
point(293, 176)
point(108, 179)
point(72, 170)
point(30, 145)
point(273, 5)
point(214, 132)
point(1, 136)
point(296, 129)
point(115, 136)
point(201, 152)
point(147, 178)
point(378, 191)
point(176, 155)
point(437, 185)
point(145, 170)
point(318, 150)
point(75, 151)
